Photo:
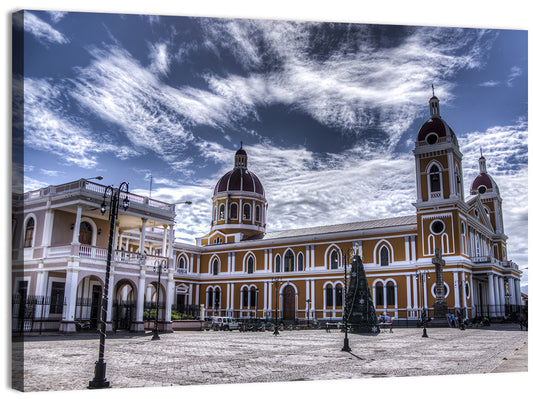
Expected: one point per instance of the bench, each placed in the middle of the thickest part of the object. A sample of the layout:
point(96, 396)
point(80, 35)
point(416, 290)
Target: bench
point(332, 326)
point(383, 325)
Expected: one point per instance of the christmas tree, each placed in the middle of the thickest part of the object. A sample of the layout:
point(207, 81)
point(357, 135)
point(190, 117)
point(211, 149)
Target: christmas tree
point(359, 307)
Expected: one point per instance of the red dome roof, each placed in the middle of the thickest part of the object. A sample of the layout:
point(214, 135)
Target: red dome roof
point(483, 179)
point(436, 125)
point(239, 179)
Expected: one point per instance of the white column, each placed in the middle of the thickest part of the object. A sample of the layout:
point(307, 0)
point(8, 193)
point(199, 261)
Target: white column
point(228, 297)
point(408, 290)
point(502, 295)
point(189, 297)
point(164, 246)
point(407, 254)
point(76, 230)
point(312, 256)
point(472, 295)
point(197, 294)
point(424, 285)
point(270, 298)
point(413, 248)
point(265, 298)
point(313, 298)
point(170, 300)
point(463, 291)
point(307, 257)
point(456, 289)
point(265, 262)
point(415, 291)
point(143, 236)
point(140, 299)
point(497, 295)
point(491, 295)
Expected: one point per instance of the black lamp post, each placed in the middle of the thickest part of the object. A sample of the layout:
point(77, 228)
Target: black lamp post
point(346, 258)
point(308, 310)
point(276, 281)
point(424, 315)
point(99, 380)
point(162, 264)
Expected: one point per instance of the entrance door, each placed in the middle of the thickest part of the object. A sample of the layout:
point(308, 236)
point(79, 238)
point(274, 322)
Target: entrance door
point(289, 296)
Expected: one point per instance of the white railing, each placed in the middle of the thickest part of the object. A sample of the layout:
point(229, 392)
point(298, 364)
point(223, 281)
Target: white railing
point(481, 259)
point(63, 250)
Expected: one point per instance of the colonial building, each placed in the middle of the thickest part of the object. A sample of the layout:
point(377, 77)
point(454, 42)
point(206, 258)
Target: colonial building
point(240, 269)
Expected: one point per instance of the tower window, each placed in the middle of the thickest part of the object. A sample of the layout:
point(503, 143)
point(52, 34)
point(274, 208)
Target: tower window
point(278, 264)
point(257, 214)
point(246, 211)
point(329, 295)
point(391, 301)
point(300, 262)
point(437, 227)
point(215, 267)
point(379, 294)
point(222, 212)
point(432, 138)
point(234, 211)
point(434, 179)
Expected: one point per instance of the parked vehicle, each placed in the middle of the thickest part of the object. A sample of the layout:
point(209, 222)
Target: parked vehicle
point(223, 323)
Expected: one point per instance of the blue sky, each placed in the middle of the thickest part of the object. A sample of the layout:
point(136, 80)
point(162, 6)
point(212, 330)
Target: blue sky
point(328, 112)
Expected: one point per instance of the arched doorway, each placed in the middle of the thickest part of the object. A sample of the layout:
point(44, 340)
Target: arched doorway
point(124, 305)
point(86, 233)
point(289, 300)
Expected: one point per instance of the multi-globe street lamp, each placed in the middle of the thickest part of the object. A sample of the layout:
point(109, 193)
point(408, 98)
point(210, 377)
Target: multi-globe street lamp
point(346, 259)
point(99, 380)
point(162, 264)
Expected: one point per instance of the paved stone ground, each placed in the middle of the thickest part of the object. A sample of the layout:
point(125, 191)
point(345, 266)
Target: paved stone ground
point(189, 358)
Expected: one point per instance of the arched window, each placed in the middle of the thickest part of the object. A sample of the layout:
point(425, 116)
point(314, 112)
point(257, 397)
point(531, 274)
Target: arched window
point(181, 263)
point(334, 260)
point(245, 297)
point(217, 298)
point(86, 233)
point(28, 235)
point(257, 213)
point(384, 256)
point(209, 298)
point(246, 212)
point(222, 212)
point(379, 294)
point(434, 179)
point(234, 211)
point(338, 296)
point(300, 262)
point(329, 295)
point(253, 297)
point(391, 299)
point(288, 262)
point(215, 267)
point(278, 264)
point(250, 265)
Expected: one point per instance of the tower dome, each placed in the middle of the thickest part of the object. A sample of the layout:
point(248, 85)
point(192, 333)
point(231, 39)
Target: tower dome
point(239, 204)
point(483, 183)
point(435, 127)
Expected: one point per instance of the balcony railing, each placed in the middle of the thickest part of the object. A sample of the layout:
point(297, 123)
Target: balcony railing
point(83, 184)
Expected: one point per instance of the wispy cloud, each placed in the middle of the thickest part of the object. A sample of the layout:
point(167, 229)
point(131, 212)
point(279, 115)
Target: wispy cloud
point(42, 31)
point(49, 127)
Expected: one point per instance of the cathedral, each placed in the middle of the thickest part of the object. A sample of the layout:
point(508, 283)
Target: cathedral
point(240, 269)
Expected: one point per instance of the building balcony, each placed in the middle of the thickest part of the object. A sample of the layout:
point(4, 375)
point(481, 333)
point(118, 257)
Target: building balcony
point(98, 254)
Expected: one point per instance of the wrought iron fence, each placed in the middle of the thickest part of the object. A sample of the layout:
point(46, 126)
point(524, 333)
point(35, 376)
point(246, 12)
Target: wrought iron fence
point(36, 313)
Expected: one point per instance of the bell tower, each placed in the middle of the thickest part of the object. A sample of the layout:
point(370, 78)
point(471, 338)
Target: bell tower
point(439, 185)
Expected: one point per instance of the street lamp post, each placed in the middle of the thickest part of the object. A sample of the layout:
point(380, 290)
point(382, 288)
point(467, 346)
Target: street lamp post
point(163, 264)
point(421, 278)
point(276, 281)
point(308, 310)
point(99, 380)
point(346, 258)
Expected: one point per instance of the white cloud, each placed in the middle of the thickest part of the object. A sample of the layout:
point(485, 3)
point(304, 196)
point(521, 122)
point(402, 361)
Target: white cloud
point(48, 127)
point(42, 31)
point(160, 58)
point(57, 16)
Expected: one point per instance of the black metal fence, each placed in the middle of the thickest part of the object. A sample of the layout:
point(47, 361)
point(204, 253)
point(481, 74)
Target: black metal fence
point(32, 314)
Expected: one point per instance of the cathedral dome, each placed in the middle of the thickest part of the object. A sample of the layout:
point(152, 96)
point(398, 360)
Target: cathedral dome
point(240, 178)
point(435, 128)
point(483, 183)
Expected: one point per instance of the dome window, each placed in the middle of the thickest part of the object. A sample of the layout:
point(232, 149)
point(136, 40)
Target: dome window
point(246, 211)
point(482, 189)
point(234, 211)
point(437, 227)
point(432, 138)
point(222, 212)
point(257, 213)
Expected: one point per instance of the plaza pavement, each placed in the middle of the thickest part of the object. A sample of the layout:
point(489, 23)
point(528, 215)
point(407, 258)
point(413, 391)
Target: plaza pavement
point(196, 358)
